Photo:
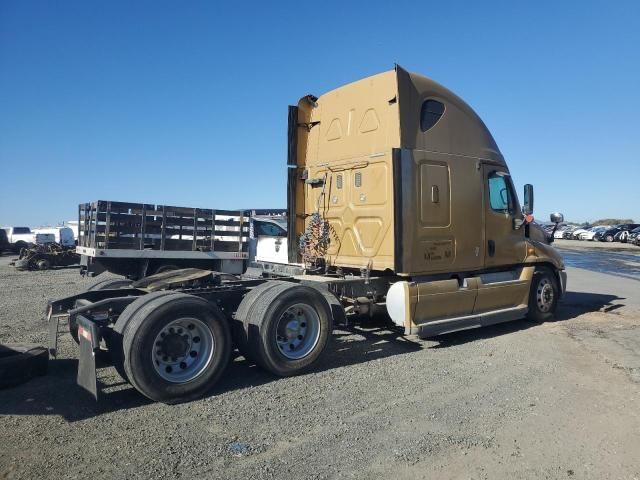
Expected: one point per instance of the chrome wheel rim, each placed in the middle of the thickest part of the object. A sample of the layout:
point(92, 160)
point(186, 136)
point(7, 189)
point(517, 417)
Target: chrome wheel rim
point(297, 331)
point(545, 295)
point(182, 350)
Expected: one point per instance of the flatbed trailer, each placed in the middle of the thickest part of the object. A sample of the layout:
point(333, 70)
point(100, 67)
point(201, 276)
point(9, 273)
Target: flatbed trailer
point(399, 203)
point(137, 239)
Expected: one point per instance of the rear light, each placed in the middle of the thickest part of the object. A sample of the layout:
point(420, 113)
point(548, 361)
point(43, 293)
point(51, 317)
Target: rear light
point(83, 332)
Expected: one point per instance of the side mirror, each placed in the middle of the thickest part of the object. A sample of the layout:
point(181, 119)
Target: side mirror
point(557, 218)
point(527, 208)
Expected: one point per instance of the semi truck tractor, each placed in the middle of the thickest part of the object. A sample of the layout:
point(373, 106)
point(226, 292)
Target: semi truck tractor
point(399, 204)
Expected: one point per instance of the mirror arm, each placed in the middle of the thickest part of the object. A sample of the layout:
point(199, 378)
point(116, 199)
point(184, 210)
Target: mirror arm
point(553, 232)
point(518, 223)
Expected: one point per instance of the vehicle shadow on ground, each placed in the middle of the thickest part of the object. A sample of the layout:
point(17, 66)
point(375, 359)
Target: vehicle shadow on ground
point(572, 304)
point(57, 392)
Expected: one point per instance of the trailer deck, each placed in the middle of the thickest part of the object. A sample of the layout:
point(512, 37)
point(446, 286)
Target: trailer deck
point(114, 235)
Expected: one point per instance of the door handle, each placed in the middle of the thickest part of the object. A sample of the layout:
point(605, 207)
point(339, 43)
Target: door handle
point(492, 248)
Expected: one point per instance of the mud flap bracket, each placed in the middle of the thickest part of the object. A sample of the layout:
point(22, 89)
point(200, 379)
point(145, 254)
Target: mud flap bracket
point(53, 324)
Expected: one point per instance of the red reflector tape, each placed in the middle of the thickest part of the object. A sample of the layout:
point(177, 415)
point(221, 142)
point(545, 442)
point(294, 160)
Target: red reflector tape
point(83, 332)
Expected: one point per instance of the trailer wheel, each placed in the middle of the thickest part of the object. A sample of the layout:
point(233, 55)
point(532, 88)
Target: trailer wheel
point(43, 264)
point(175, 346)
point(543, 297)
point(288, 329)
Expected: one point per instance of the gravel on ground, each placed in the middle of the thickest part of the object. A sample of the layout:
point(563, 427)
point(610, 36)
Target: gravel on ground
point(517, 400)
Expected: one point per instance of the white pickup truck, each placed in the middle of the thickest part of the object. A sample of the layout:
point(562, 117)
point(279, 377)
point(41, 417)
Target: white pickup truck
point(21, 237)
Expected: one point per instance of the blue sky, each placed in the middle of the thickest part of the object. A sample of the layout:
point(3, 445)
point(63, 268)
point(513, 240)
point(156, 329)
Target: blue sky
point(185, 103)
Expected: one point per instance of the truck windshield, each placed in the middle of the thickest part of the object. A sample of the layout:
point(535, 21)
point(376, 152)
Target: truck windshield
point(20, 230)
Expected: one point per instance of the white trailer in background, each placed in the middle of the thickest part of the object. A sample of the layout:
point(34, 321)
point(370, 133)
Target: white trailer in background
point(62, 235)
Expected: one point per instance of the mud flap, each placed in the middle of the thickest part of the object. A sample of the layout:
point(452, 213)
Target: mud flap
point(89, 336)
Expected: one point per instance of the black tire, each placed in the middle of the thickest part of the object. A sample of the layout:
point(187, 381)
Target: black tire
point(240, 326)
point(43, 264)
point(270, 307)
point(114, 339)
point(608, 238)
point(21, 362)
point(109, 284)
point(165, 268)
point(19, 245)
point(140, 324)
point(543, 296)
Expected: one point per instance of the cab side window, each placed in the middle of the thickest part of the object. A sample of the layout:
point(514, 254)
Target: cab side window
point(264, 228)
point(430, 113)
point(500, 194)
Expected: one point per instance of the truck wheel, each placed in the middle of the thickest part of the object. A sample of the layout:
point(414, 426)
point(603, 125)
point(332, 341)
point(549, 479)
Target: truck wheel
point(19, 245)
point(175, 346)
point(245, 311)
point(165, 268)
point(43, 264)
point(288, 328)
point(110, 284)
point(543, 297)
point(114, 339)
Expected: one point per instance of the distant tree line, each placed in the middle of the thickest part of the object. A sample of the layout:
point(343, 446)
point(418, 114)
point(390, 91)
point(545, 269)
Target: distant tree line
point(604, 221)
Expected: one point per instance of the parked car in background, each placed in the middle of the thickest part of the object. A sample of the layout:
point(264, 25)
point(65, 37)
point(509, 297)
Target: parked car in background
point(610, 234)
point(62, 235)
point(634, 235)
point(22, 237)
point(568, 233)
point(575, 235)
point(592, 232)
point(560, 231)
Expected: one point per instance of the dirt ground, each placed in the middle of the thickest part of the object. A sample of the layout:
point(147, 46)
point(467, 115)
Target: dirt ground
point(518, 400)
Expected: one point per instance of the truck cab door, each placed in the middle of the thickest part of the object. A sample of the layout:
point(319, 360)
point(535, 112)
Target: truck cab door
point(505, 285)
point(504, 243)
